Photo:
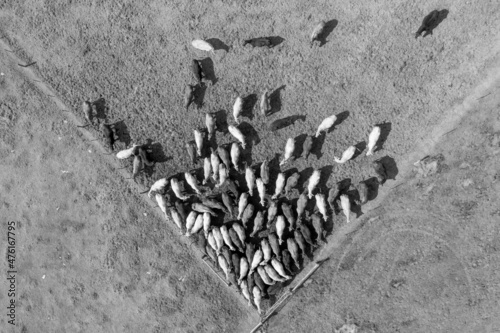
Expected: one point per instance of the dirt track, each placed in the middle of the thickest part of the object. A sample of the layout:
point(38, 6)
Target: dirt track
point(96, 242)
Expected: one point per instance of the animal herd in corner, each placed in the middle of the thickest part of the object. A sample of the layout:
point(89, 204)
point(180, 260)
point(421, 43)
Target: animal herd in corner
point(246, 231)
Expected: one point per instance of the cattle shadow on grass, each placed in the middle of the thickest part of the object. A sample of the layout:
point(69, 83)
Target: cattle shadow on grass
point(251, 135)
point(385, 129)
point(100, 108)
point(275, 40)
point(199, 94)
point(251, 139)
point(285, 122)
point(325, 173)
point(329, 26)
point(122, 132)
point(318, 145)
point(275, 100)
point(218, 44)
point(207, 67)
point(156, 151)
point(391, 168)
point(299, 142)
point(441, 16)
point(354, 199)
point(360, 147)
point(341, 117)
point(221, 124)
point(372, 184)
point(248, 106)
point(274, 169)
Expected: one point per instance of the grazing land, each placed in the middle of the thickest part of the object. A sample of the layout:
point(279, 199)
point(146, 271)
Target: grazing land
point(94, 255)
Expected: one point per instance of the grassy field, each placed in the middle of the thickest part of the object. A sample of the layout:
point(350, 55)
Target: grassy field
point(136, 57)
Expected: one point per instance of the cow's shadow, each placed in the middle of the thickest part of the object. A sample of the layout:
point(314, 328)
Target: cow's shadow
point(275, 100)
point(100, 108)
point(391, 168)
point(318, 145)
point(385, 129)
point(372, 184)
point(207, 67)
point(221, 124)
point(218, 44)
point(329, 26)
point(156, 151)
point(248, 106)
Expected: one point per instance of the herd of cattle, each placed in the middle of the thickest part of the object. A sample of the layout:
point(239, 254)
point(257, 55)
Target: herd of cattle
point(254, 236)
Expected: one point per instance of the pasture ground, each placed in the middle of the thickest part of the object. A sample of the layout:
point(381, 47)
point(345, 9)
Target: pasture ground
point(93, 256)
